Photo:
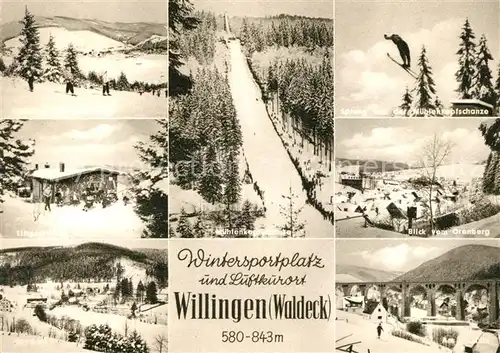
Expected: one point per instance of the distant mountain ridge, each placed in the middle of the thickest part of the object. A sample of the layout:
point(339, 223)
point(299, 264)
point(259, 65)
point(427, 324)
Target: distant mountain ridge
point(467, 262)
point(84, 262)
point(373, 166)
point(364, 274)
point(127, 33)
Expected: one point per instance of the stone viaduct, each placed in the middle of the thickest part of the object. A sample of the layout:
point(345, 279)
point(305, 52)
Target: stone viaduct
point(431, 287)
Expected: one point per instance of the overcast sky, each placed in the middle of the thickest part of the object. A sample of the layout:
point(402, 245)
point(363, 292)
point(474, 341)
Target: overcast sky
point(397, 255)
point(366, 78)
point(262, 8)
point(111, 11)
point(87, 142)
point(401, 140)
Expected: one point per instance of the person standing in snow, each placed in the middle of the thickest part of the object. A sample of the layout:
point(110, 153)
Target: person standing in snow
point(379, 330)
point(31, 79)
point(105, 83)
point(47, 196)
point(69, 80)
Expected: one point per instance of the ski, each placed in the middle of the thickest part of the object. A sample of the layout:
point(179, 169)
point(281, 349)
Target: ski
point(408, 70)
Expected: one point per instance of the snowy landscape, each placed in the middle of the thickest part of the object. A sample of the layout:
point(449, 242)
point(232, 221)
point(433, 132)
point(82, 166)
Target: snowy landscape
point(451, 53)
point(369, 294)
point(83, 297)
point(52, 50)
point(110, 191)
point(265, 170)
point(383, 182)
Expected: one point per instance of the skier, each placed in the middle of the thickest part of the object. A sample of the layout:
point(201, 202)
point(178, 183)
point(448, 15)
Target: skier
point(47, 195)
point(403, 48)
point(379, 330)
point(31, 79)
point(105, 83)
point(68, 78)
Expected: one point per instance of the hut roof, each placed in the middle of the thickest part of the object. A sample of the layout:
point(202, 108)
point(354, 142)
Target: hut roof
point(54, 174)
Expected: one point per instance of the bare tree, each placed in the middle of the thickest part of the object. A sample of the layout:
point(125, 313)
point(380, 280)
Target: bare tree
point(160, 343)
point(434, 153)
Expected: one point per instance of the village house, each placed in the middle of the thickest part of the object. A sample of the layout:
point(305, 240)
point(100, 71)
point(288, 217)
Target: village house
point(72, 183)
point(375, 311)
point(444, 309)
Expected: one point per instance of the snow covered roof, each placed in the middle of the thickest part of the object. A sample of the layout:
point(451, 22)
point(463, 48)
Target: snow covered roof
point(54, 174)
point(472, 101)
point(371, 306)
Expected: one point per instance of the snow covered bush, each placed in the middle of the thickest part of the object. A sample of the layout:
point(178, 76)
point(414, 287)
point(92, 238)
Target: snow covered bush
point(416, 327)
point(72, 336)
point(102, 339)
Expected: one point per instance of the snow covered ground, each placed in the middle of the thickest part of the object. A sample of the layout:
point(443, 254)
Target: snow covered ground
point(150, 68)
point(269, 162)
point(358, 328)
point(118, 323)
point(28, 344)
point(82, 40)
point(49, 101)
point(115, 221)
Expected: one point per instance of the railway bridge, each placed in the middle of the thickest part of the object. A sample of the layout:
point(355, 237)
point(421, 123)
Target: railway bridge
point(431, 288)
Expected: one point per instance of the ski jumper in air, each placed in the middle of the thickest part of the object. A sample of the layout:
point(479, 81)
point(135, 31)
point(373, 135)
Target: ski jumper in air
point(403, 48)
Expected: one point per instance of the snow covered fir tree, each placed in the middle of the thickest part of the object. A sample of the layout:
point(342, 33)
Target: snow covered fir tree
point(483, 88)
point(466, 61)
point(474, 76)
point(29, 59)
point(406, 104)
point(14, 157)
point(53, 70)
point(491, 177)
point(71, 63)
point(152, 191)
point(425, 89)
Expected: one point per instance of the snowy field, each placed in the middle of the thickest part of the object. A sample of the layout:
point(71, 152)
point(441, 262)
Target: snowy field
point(269, 162)
point(49, 101)
point(82, 40)
point(150, 68)
point(116, 221)
point(29, 344)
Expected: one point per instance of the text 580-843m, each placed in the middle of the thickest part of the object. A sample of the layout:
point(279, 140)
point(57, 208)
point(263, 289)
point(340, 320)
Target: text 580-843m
point(254, 337)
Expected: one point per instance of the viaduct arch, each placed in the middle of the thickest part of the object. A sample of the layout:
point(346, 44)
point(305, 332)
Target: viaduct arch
point(431, 288)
